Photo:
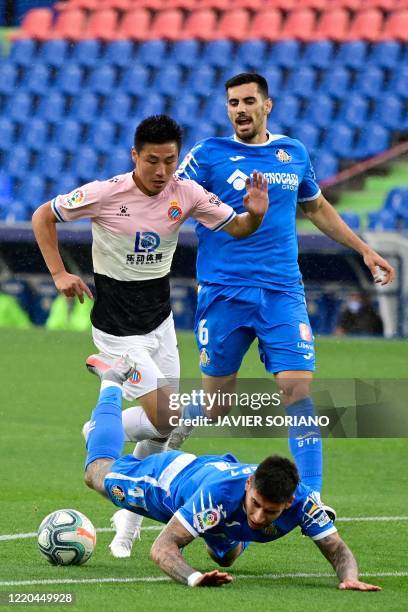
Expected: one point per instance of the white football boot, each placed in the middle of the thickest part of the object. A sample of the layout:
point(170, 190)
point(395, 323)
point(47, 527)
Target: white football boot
point(127, 527)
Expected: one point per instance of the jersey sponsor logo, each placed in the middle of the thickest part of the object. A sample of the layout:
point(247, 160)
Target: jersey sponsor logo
point(287, 180)
point(138, 498)
point(123, 211)
point(118, 493)
point(75, 198)
point(315, 513)
point(237, 157)
point(308, 356)
point(135, 378)
point(207, 519)
point(283, 156)
point(204, 357)
point(305, 332)
point(174, 213)
point(114, 179)
point(237, 179)
point(146, 242)
point(305, 345)
point(212, 198)
point(143, 258)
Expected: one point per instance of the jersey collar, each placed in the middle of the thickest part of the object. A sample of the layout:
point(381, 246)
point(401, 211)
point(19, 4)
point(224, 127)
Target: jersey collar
point(271, 138)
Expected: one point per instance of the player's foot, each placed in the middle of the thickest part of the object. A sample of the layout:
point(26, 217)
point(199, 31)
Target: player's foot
point(179, 435)
point(127, 527)
point(108, 368)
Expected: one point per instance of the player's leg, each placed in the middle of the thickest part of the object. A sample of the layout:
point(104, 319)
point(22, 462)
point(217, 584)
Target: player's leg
point(106, 437)
point(223, 551)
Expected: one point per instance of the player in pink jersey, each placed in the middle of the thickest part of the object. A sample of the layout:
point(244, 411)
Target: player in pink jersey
point(136, 218)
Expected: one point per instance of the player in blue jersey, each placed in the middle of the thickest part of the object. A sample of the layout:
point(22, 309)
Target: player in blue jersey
point(252, 288)
point(227, 503)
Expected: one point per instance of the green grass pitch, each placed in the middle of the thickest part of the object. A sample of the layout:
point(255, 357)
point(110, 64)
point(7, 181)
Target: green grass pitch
point(46, 395)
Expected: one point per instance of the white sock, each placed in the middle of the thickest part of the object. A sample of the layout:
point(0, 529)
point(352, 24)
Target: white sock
point(149, 447)
point(137, 425)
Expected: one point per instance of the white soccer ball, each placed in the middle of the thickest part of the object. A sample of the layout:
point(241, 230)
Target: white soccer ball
point(66, 537)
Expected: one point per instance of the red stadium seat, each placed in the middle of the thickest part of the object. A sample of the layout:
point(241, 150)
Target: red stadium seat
point(102, 24)
point(299, 24)
point(266, 24)
point(282, 4)
point(37, 24)
point(200, 24)
point(385, 5)
point(252, 5)
point(135, 25)
point(187, 5)
point(69, 24)
point(333, 25)
point(234, 25)
point(167, 24)
point(88, 5)
point(317, 5)
point(220, 5)
point(366, 25)
point(155, 5)
point(351, 5)
point(119, 5)
point(396, 27)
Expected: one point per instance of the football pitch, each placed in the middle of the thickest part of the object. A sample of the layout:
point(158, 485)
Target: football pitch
point(45, 397)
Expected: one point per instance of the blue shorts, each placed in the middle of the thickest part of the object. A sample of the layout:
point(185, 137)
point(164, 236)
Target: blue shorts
point(228, 319)
point(221, 546)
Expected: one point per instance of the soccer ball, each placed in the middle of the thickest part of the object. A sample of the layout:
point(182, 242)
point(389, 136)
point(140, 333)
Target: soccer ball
point(66, 537)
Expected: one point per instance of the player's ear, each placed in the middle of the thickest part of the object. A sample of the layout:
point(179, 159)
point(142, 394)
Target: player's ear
point(290, 502)
point(268, 104)
point(249, 483)
point(135, 155)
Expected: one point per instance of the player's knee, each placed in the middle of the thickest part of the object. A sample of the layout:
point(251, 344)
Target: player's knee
point(225, 561)
point(89, 477)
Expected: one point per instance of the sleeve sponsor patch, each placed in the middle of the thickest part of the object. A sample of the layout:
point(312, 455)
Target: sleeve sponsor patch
point(207, 519)
point(314, 513)
point(73, 199)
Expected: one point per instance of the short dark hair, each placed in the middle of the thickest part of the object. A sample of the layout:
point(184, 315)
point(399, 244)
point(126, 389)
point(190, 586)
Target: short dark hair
point(249, 77)
point(276, 479)
point(157, 129)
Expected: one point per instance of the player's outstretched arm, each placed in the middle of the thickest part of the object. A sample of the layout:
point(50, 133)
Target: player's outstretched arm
point(324, 216)
point(166, 553)
point(45, 231)
point(256, 202)
point(342, 559)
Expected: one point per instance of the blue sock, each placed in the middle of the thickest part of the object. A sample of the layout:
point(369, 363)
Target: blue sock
point(106, 436)
point(306, 451)
point(193, 410)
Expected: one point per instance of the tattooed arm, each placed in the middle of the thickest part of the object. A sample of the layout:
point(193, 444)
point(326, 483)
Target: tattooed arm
point(342, 559)
point(166, 553)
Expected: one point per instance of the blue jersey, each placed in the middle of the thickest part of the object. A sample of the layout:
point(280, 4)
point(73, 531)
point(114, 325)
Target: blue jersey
point(206, 495)
point(267, 258)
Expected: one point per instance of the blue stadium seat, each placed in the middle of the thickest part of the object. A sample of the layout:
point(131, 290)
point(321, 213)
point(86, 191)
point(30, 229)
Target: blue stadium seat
point(51, 162)
point(119, 53)
point(352, 220)
point(320, 110)
point(318, 54)
point(274, 78)
point(52, 107)
point(69, 79)
point(6, 189)
point(354, 111)
point(8, 78)
point(151, 53)
point(285, 54)
point(389, 112)
point(201, 81)
point(301, 82)
point(308, 134)
point(153, 104)
point(286, 110)
point(228, 72)
point(168, 81)
point(20, 106)
point(339, 141)
point(397, 200)
point(399, 84)
point(352, 54)
point(16, 213)
point(199, 132)
point(336, 82)
point(7, 133)
point(102, 80)
point(383, 220)
point(134, 80)
point(85, 164)
point(17, 161)
point(369, 81)
point(252, 54)
point(68, 135)
point(33, 191)
point(325, 165)
point(64, 183)
point(37, 80)
point(185, 53)
point(54, 52)
point(186, 112)
point(117, 162)
point(102, 135)
point(218, 53)
point(386, 54)
point(373, 140)
point(85, 107)
point(86, 53)
point(117, 108)
point(23, 51)
point(215, 112)
point(35, 134)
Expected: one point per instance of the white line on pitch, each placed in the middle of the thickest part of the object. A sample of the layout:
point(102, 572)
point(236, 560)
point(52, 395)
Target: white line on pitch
point(344, 519)
point(166, 579)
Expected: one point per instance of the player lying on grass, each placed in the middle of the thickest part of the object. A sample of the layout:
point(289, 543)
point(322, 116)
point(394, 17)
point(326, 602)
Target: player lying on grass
point(227, 503)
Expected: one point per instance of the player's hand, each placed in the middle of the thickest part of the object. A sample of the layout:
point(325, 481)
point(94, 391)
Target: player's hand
point(213, 579)
point(356, 585)
point(256, 199)
point(71, 285)
point(383, 272)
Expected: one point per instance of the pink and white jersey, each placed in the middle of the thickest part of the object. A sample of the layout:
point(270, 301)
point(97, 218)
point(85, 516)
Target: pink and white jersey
point(134, 239)
point(135, 235)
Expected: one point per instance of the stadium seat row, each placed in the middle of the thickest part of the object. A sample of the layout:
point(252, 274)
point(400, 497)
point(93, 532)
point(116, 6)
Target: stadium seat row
point(237, 24)
point(255, 54)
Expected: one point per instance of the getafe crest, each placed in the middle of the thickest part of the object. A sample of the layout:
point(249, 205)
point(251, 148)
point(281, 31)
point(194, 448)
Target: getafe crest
point(283, 156)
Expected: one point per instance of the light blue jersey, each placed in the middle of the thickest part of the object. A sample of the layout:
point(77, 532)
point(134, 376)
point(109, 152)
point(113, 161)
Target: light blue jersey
point(267, 258)
point(206, 495)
